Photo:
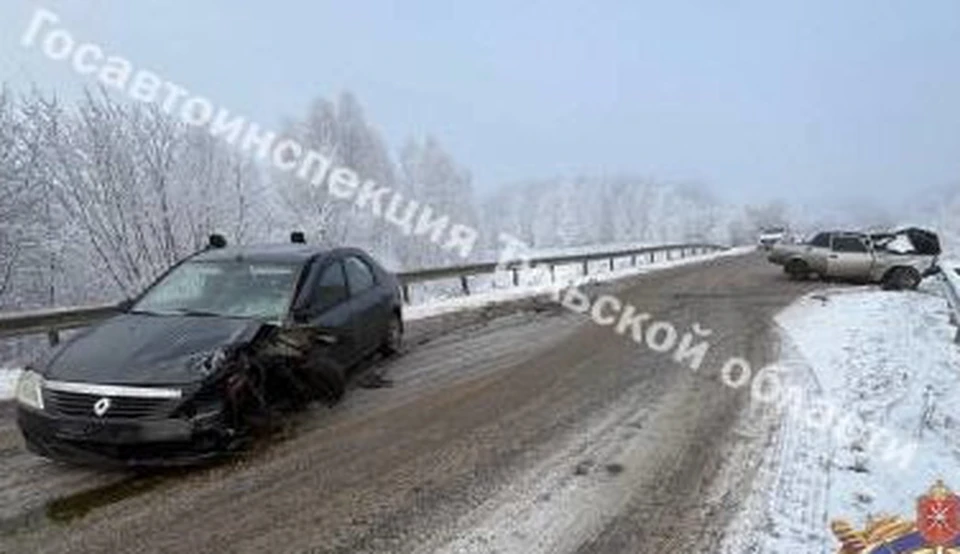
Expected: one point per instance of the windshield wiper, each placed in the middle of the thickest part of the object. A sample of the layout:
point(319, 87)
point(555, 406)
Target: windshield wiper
point(197, 313)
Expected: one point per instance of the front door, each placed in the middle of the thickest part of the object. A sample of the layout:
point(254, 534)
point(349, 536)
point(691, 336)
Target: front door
point(850, 258)
point(371, 308)
point(332, 312)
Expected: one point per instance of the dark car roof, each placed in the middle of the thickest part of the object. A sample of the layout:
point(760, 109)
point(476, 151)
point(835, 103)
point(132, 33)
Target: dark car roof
point(276, 253)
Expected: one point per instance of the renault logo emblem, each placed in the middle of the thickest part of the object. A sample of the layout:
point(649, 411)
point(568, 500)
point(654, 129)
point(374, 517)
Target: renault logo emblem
point(101, 406)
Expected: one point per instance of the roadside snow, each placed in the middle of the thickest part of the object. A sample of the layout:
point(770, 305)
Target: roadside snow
point(498, 288)
point(8, 378)
point(887, 360)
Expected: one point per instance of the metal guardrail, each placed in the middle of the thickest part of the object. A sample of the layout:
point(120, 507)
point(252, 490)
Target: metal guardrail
point(950, 275)
point(53, 321)
point(464, 272)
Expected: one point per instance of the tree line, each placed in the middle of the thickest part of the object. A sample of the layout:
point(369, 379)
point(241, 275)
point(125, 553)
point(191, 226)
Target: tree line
point(99, 195)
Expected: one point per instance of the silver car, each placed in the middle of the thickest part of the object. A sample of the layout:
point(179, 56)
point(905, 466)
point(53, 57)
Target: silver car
point(897, 260)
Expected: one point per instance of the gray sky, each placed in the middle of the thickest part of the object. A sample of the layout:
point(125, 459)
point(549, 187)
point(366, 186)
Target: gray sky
point(805, 100)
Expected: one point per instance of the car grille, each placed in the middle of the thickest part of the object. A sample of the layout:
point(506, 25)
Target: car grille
point(79, 404)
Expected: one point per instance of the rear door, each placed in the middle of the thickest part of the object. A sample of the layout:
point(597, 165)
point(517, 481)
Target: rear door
point(850, 257)
point(331, 310)
point(371, 308)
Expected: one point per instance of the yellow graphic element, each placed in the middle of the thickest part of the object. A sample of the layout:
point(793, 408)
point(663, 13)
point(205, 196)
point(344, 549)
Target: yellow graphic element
point(878, 531)
point(884, 529)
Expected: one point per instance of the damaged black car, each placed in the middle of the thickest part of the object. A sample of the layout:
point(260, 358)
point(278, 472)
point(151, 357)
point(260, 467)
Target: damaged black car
point(224, 340)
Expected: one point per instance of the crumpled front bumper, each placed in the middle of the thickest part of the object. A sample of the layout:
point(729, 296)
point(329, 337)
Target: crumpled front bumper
point(121, 442)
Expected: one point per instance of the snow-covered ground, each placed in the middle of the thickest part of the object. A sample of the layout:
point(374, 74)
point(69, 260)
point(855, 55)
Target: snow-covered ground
point(496, 288)
point(887, 361)
point(8, 378)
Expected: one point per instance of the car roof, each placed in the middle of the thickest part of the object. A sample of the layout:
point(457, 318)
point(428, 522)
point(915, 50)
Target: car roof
point(273, 253)
point(849, 233)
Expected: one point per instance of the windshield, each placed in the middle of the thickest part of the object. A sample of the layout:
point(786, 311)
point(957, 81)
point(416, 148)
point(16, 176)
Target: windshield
point(229, 289)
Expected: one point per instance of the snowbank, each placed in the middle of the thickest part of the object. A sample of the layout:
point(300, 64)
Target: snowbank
point(888, 361)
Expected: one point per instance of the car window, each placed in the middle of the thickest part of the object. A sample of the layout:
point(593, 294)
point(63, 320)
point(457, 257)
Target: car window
point(331, 288)
point(849, 244)
point(359, 275)
point(822, 240)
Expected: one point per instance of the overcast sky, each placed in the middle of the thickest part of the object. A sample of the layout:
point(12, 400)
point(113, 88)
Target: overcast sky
point(808, 99)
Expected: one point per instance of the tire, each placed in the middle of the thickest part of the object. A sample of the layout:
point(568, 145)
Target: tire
point(393, 339)
point(326, 379)
point(798, 270)
point(901, 278)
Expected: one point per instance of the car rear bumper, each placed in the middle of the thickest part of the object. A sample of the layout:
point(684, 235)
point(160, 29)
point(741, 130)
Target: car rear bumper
point(119, 442)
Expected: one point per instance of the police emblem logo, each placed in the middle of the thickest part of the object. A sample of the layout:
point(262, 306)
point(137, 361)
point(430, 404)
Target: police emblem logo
point(935, 531)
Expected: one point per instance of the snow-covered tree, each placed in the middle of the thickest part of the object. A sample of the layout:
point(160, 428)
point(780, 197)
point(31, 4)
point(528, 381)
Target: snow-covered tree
point(340, 132)
point(430, 175)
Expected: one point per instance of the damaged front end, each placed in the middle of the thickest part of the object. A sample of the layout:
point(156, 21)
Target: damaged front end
point(279, 369)
point(240, 386)
point(910, 241)
point(909, 247)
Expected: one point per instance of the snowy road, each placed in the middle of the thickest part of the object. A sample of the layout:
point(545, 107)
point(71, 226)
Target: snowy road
point(537, 431)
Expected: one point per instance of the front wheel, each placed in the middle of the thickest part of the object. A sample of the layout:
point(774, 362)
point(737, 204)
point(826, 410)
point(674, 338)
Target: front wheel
point(902, 278)
point(393, 339)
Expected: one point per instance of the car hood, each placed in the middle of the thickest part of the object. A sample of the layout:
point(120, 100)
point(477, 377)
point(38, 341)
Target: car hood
point(136, 349)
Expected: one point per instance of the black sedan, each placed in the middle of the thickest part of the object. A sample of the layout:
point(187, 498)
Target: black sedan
point(222, 342)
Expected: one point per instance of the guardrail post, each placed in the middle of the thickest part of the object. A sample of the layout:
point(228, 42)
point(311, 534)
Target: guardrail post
point(406, 293)
point(465, 285)
point(553, 274)
point(611, 264)
point(53, 337)
point(586, 267)
point(633, 260)
point(516, 277)
point(652, 256)
point(669, 255)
